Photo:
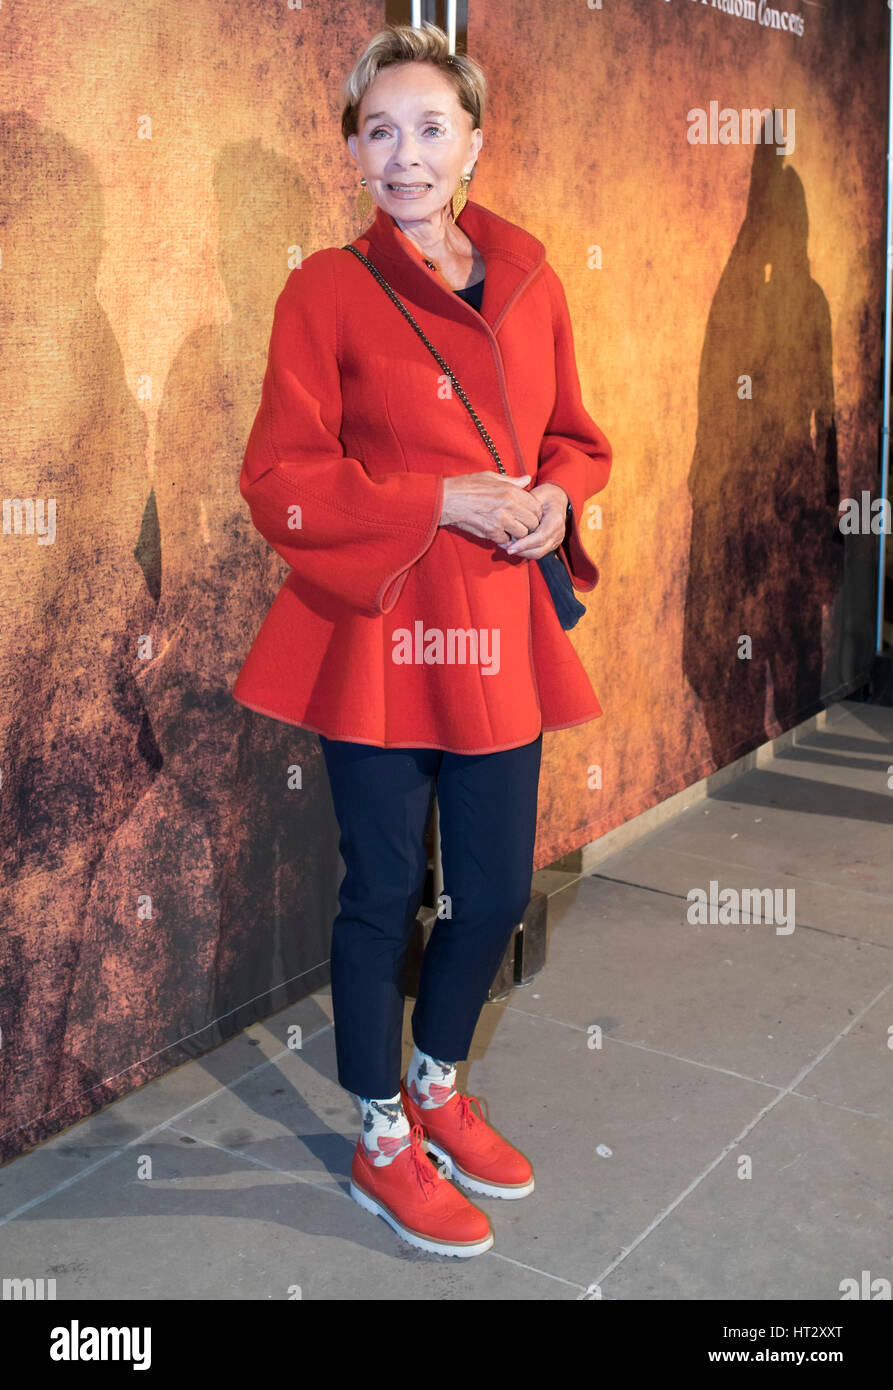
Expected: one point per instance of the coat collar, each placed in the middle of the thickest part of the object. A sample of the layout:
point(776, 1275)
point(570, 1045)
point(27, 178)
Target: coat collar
point(512, 256)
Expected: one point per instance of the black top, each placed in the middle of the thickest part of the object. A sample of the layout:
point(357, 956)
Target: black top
point(472, 295)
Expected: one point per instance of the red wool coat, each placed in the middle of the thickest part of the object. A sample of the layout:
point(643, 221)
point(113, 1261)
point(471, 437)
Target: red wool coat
point(390, 630)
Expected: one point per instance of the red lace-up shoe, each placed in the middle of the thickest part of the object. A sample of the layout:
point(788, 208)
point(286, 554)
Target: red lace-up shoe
point(419, 1202)
point(475, 1154)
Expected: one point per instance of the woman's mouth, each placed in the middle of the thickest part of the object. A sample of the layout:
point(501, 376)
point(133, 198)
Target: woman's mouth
point(409, 190)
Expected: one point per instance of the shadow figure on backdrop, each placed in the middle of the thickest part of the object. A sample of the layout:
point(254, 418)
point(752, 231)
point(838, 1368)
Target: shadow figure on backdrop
point(236, 841)
point(766, 552)
point(77, 753)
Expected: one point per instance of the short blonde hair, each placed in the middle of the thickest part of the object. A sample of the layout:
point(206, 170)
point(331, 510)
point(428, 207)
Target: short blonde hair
point(401, 43)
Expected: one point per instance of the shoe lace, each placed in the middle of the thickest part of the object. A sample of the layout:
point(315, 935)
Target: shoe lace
point(424, 1168)
point(467, 1117)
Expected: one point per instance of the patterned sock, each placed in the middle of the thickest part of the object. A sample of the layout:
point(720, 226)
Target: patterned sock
point(385, 1129)
point(430, 1082)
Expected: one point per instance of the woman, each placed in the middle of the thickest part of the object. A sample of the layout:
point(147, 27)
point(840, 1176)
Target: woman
point(415, 632)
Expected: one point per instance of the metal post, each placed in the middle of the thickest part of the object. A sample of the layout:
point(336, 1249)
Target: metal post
point(888, 309)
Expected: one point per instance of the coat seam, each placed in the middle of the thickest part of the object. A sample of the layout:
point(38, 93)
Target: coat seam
point(385, 523)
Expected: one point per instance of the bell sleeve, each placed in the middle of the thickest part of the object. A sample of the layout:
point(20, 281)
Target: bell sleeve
point(574, 452)
point(347, 534)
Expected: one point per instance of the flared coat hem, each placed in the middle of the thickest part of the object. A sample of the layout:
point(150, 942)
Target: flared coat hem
point(375, 743)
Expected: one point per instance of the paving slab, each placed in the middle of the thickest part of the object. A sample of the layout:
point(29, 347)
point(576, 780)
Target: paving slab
point(738, 998)
point(613, 1134)
point(215, 1223)
point(855, 1074)
point(815, 1210)
point(97, 1138)
point(842, 910)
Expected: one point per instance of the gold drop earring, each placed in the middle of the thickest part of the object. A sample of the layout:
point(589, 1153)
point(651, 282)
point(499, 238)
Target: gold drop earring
point(460, 197)
point(364, 206)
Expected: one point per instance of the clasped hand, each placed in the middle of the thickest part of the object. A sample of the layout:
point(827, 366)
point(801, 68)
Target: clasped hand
point(500, 509)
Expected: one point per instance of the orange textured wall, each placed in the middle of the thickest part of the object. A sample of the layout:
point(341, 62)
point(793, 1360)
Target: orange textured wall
point(719, 516)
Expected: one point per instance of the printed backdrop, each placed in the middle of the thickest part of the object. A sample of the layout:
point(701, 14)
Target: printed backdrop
point(168, 859)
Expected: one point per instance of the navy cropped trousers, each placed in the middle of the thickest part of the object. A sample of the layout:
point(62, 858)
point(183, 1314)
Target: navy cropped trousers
point(383, 800)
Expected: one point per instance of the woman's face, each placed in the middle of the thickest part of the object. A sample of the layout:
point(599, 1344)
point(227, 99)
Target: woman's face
point(414, 141)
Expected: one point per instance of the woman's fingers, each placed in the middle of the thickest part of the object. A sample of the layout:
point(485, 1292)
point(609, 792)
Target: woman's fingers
point(534, 552)
point(495, 508)
point(502, 508)
point(517, 518)
point(512, 528)
point(543, 538)
point(535, 549)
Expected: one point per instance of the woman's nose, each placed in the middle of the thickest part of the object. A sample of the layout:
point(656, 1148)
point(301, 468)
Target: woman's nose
point(405, 151)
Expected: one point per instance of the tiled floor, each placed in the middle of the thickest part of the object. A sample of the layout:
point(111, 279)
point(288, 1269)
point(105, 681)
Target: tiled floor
point(731, 1136)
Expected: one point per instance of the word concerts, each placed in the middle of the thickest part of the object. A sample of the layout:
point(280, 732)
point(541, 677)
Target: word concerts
point(764, 15)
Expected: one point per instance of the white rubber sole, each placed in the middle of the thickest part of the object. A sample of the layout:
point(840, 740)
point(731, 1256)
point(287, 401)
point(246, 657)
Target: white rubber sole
point(434, 1247)
point(463, 1179)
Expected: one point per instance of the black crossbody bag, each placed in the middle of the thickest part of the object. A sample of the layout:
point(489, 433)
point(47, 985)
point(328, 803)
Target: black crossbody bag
point(568, 607)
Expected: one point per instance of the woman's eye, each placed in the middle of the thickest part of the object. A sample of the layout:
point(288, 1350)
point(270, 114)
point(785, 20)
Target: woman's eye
point(380, 130)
